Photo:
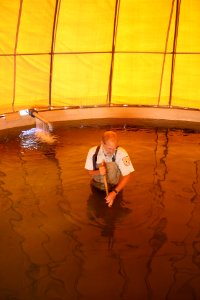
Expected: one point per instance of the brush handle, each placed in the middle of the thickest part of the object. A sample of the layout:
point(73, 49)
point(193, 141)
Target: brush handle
point(106, 184)
point(105, 180)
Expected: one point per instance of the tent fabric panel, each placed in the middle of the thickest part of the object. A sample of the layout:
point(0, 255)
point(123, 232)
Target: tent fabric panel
point(32, 81)
point(165, 81)
point(85, 26)
point(35, 29)
point(80, 79)
point(189, 29)
point(137, 79)
point(9, 11)
point(186, 88)
point(6, 83)
point(145, 26)
point(59, 53)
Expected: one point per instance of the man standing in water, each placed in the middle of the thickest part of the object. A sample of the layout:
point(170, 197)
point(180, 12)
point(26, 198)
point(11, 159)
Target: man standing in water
point(109, 165)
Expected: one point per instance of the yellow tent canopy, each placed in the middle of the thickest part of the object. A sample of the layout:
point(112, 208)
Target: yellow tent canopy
point(57, 53)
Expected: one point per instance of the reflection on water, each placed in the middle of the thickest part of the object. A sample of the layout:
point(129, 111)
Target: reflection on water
point(60, 241)
point(102, 216)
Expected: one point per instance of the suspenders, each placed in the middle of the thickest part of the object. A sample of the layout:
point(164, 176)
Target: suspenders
point(94, 158)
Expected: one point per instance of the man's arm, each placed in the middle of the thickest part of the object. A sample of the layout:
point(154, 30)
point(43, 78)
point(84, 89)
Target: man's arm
point(112, 195)
point(100, 171)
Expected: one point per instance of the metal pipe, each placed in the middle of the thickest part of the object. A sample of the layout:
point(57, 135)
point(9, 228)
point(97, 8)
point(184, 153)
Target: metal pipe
point(34, 113)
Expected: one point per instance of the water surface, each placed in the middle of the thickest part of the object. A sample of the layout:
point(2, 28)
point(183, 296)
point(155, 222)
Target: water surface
point(58, 241)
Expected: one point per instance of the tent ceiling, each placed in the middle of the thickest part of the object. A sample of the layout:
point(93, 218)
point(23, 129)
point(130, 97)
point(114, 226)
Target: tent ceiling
point(79, 53)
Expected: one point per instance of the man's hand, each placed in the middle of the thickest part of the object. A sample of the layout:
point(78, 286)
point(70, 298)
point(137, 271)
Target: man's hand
point(110, 198)
point(102, 170)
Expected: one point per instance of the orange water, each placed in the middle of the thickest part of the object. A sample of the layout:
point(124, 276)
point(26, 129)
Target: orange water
point(57, 241)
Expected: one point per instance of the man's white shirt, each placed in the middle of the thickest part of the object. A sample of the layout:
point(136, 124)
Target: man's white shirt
point(121, 159)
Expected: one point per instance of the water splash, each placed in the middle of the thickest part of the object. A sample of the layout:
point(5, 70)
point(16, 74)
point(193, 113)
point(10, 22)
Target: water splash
point(45, 137)
point(43, 132)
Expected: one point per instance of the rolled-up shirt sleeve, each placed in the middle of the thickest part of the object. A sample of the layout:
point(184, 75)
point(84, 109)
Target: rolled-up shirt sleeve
point(89, 159)
point(124, 162)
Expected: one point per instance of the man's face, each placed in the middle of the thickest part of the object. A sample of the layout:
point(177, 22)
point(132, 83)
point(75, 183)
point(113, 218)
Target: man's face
point(109, 147)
